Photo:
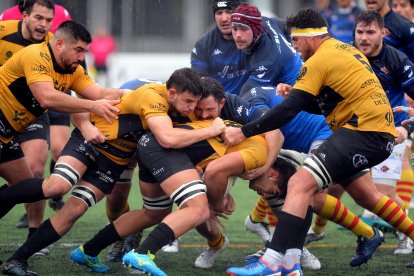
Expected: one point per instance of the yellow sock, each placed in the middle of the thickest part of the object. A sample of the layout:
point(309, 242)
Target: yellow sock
point(389, 211)
point(334, 210)
point(260, 210)
point(114, 215)
point(217, 243)
point(272, 218)
point(405, 187)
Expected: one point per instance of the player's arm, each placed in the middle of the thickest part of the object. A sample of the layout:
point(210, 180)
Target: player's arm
point(96, 92)
point(273, 119)
point(91, 133)
point(49, 98)
point(170, 137)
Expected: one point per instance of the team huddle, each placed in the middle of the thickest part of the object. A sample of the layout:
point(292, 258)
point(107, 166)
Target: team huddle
point(259, 102)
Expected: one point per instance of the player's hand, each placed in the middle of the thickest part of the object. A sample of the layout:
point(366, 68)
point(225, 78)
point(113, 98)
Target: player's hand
point(402, 135)
point(218, 126)
point(252, 174)
point(229, 205)
point(283, 89)
point(92, 134)
point(408, 110)
point(106, 109)
point(233, 136)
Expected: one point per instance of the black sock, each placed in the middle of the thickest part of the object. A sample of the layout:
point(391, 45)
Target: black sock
point(26, 191)
point(107, 236)
point(160, 236)
point(44, 236)
point(299, 240)
point(4, 186)
point(52, 166)
point(32, 230)
point(286, 229)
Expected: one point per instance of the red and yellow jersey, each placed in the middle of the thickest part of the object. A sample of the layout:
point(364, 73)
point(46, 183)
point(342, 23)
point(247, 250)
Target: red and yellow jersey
point(11, 39)
point(34, 63)
point(135, 108)
point(348, 91)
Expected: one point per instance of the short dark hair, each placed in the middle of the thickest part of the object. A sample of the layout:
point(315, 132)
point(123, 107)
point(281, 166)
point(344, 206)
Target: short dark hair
point(186, 80)
point(73, 31)
point(212, 87)
point(27, 5)
point(367, 17)
point(306, 18)
point(286, 169)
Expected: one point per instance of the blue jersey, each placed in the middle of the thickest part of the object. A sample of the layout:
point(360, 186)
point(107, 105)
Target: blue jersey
point(137, 83)
point(220, 59)
point(301, 131)
point(399, 33)
point(395, 72)
point(341, 23)
point(239, 110)
point(272, 60)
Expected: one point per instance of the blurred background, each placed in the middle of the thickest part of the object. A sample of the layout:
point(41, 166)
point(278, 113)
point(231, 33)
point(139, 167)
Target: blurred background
point(154, 37)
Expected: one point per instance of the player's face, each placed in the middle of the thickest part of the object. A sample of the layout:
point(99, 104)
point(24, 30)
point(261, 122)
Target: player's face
point(184, 102)
point(368, 38)
point(344, 3)
point(72, 55)
point(265, 185)
point(242, 35)
point(208, 108)
point(403, 7)
point(223, 21)
point(302, 45)
point(375, 5)
point(38, 23)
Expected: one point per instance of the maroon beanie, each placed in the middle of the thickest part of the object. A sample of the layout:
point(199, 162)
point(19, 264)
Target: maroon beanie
point(250, 16)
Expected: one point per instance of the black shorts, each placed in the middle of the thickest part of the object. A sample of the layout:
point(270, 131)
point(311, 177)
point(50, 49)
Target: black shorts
point(38, 130)
point(59, 118)
point(347, 153)
point(101, 172)
point(10, 151)
point(156, 163)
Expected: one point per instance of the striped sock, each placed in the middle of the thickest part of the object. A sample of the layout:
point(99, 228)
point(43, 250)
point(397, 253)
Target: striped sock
point(405, 187)
point(260, 210)
point(217, 243)
point(334, 210)
point(389, 211)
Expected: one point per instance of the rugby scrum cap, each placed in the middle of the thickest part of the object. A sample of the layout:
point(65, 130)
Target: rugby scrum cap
point(249, 16)
point(225, 4)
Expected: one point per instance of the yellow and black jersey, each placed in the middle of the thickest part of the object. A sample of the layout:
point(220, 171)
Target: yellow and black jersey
point(135, 108)
point(11, 39)
point(253, 149)
point(349, 93)
point(34, 63)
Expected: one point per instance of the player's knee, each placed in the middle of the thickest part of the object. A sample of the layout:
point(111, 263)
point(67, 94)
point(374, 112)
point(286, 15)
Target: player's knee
point(53, 187)
point(61, 180)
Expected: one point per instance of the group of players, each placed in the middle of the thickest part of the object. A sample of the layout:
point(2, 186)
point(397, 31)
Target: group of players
point(338, 111)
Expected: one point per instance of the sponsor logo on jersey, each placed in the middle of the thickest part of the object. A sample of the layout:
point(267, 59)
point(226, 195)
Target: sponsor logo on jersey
point(302, 72)
point(385, 70)
point(194, 51)
point(158, 106)
point(217, 52)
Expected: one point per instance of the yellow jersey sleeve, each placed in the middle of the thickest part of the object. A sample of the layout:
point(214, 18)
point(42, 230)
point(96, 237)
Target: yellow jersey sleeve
point(81, 80)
